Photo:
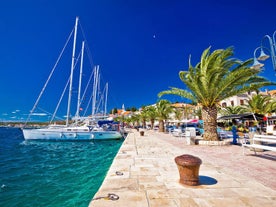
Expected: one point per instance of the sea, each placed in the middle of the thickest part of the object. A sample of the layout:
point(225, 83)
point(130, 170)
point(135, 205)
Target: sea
point(51, 173)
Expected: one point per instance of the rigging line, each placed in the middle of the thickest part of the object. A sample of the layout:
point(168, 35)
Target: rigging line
point(48, 113)
point(63, 92)
point(89, 55)
point(101, 103)
point(86, 46)
point(86, 88)
point(88, 51)
point(88, 104)
point(47, 81)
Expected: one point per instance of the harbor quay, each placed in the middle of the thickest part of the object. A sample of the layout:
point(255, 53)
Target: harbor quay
point(144, 174)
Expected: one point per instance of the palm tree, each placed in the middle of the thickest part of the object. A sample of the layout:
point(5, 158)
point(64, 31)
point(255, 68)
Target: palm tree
point(229, 110)
point(151, 114)
point(120, 119)
point(216, 77)
point(163, 109)
point(135, 118)
point(143, 117)
point(198, 113)
point(186, 111)
point(260, 104)
point(273, 106)
point(178, 114)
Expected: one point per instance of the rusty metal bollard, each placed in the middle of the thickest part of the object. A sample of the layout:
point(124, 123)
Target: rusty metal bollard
point(188, 167)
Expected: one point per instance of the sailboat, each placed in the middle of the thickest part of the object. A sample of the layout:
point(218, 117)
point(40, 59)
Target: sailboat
point(81, 128)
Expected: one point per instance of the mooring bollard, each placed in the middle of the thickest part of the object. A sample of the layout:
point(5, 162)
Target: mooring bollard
point(188, 167)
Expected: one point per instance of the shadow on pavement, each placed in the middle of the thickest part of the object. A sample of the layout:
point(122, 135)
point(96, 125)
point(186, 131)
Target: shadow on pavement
point(205, 180)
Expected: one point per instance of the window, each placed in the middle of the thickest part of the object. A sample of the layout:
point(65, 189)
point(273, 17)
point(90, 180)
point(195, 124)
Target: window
point(232, 103)
point(241, 102)
point(224, 104)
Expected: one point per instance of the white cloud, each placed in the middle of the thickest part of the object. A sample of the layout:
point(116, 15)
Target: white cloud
point(39, 114)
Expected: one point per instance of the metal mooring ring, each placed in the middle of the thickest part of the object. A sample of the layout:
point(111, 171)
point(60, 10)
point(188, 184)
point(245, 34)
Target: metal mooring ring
point(112, 196)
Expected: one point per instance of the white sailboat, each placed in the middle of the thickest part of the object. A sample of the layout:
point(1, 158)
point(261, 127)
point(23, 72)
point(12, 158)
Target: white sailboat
point(83, 128)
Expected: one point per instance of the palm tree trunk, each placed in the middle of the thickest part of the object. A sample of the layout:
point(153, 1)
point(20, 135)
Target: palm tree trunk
point(152, 123)
point(161, 125)
point(209, 115)
point(144, 123)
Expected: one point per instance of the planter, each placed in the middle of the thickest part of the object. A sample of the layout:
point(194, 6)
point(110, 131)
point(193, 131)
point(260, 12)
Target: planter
point(188, 167)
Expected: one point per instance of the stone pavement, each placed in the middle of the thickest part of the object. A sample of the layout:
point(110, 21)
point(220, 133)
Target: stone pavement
point(144, 174)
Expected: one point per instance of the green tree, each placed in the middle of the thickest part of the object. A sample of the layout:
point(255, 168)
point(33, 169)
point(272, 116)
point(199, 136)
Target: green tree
point(198, 113)
point(143, 118)
point(188, 111)
point(273, 106)
point(114, 111)
point(127, 120)
point(151, 114)
point(135, 119)
point(132, 109)
point(229, 110)
point(261, 104)
point(178, 114)
point(163, 109)
point(216, 77)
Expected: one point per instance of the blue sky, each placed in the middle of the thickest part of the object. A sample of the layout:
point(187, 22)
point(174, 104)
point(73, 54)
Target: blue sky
point(140, 45)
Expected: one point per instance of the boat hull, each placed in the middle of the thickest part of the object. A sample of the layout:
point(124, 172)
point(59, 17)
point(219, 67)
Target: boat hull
point(42, 134)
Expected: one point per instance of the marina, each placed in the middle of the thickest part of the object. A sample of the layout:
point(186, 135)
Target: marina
point(76, 128)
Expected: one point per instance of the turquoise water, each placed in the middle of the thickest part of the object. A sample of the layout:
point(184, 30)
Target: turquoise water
point(52, 174)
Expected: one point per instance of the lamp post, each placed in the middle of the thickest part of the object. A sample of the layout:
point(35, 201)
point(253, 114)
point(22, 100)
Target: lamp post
point(263, 56)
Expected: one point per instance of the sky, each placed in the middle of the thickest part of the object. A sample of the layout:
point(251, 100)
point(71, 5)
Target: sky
point(140, 45)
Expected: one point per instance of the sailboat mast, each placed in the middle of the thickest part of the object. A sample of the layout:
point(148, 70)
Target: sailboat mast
point(105, 106)
point(80, 80)
point(71, 75)
point(95, 88)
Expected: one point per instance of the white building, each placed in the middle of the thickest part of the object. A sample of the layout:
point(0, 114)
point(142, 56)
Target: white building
point(237, 100)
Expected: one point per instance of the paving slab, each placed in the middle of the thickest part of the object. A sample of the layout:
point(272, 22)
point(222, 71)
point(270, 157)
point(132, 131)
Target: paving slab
point(144, 174)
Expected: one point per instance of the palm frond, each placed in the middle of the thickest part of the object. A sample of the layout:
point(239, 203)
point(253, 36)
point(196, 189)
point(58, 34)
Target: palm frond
point(216, 77)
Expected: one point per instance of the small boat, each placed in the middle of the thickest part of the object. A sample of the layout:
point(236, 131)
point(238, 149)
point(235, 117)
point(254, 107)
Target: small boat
point(77, 128)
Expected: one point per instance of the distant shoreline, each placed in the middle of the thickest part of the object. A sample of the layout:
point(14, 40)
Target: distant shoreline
point(16, 124)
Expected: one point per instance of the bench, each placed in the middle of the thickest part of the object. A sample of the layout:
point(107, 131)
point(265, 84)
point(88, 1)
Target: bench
point(260, 142)
point(178, 133)
point(271, 130)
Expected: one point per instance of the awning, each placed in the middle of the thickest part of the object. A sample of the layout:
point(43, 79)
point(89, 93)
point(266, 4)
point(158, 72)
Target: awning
point(246, 116)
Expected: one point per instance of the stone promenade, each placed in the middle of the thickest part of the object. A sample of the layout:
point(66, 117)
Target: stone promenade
point(144, 174)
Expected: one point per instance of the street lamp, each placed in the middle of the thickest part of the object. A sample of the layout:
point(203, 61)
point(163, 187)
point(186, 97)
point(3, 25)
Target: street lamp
point(256, 63)
point(263, 56)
